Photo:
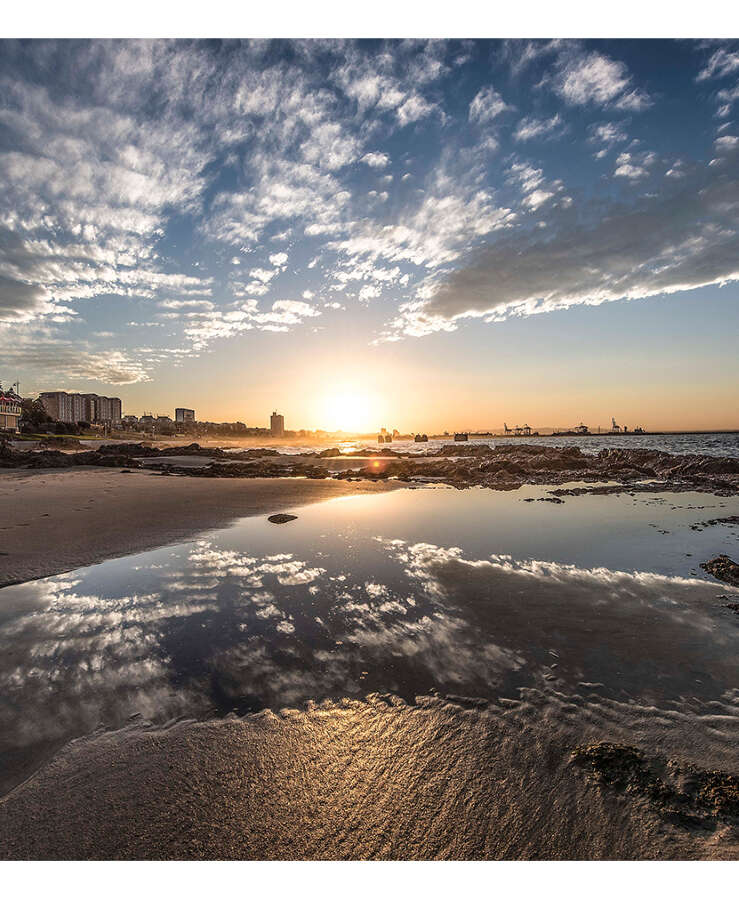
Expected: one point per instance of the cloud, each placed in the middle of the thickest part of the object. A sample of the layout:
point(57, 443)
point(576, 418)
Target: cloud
point(413, 109)
point(633, 165)
point(536, 189)
point(65, 364)
point(521, 54)
point(727, 98)
point(283, 316)
point(593, 78)
point(684, 237)
point(721, 63)
point(530, 128)
point(486, 106)
point(376, 160)
point(608, 134)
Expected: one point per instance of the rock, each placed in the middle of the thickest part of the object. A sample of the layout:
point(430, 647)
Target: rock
point(681, 793)
point(281, 518)
point(723, 568)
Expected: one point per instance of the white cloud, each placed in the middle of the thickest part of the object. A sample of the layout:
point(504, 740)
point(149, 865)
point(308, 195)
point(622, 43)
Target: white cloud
point(263, 275)
point(609, 134)
point(486, 106)
point(413, 109)
point(530, 127)
point(376, 160)
point(633, 165)
point(722, 62)
point(593, 78)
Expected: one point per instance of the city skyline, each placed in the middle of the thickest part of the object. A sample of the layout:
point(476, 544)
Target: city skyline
point(439, 233)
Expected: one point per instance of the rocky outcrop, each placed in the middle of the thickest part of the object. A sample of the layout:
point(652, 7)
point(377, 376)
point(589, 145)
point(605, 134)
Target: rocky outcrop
point(723, 568)
point(460, 465)
point(680, 793)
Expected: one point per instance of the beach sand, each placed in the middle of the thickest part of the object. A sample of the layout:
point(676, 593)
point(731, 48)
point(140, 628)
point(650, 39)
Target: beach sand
point(52, 521)
point(373, 779)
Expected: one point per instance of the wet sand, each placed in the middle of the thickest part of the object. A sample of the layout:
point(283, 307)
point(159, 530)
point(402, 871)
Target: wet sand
point(55, 520)
point(374, 779)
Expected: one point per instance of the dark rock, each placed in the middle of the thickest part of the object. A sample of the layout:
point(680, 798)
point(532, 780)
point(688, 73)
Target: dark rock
point(281, 518)
point(723, 568)
point(681, 793)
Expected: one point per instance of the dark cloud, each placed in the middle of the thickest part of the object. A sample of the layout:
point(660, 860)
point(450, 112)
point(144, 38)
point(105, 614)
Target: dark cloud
point(17, 300)
point(664, 243)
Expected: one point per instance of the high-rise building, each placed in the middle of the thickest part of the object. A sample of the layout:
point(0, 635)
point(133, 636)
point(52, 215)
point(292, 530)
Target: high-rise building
point(66, 407)
point(277, 425)
point(184, 415)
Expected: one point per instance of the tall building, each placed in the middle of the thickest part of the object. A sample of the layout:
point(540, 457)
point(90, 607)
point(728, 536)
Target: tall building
point(66, 407)
point(277, 425)
point(184, 415)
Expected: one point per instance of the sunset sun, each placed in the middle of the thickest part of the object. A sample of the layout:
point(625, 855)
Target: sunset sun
point(350, 409)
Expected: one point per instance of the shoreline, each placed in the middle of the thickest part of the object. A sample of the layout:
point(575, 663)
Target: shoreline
point(53, 521)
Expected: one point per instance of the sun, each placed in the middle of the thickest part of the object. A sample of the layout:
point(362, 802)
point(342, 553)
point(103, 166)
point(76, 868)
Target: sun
point(350, 409)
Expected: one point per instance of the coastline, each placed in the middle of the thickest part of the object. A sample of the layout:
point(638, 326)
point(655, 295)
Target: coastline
point(52, 521)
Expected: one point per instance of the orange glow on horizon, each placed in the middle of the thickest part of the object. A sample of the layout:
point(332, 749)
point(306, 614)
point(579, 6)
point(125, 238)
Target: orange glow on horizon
point(351, 408)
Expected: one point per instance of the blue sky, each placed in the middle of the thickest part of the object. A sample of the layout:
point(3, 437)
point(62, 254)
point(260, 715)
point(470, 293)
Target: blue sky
point(466, 230)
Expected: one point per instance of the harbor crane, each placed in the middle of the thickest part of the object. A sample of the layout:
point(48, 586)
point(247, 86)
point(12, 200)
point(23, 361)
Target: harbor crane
point(506, 429)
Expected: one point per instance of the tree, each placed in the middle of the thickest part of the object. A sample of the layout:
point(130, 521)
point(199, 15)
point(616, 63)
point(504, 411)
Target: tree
point(34, 417)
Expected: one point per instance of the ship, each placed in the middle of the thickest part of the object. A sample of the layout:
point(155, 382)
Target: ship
point(578, 431)
point(421, 438)
point(461, 436)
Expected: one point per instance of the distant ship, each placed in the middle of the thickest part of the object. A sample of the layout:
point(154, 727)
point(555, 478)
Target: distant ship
point(461, 436)
point(573, 432)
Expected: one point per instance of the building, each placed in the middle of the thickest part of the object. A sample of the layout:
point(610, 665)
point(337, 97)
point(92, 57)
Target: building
point(277, 425)
point(10, 410)
point(184, 415)
point(92, 408)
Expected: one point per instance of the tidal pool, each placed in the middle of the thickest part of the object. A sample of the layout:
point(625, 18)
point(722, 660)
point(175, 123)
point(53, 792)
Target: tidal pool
point(473, 594)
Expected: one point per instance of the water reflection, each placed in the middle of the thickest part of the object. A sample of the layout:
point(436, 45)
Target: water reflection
point(340, 604)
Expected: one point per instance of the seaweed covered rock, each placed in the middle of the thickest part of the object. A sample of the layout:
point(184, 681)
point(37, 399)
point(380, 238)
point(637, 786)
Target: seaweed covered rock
point(723, 568)
point(681, 793)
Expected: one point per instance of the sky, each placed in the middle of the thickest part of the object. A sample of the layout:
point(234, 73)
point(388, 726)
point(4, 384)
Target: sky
point(424, 235)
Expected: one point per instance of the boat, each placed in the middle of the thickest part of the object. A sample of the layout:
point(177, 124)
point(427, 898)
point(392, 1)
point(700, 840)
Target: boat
point(461, 436)
point(421, 438)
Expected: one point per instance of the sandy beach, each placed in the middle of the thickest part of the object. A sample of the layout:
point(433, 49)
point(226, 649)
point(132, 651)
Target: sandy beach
point(373, 779)
point(53, 521)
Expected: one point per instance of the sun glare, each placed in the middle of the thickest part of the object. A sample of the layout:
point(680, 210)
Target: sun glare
point(350, 410)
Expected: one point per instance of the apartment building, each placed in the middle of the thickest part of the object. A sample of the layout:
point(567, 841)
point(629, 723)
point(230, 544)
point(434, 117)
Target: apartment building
point(74, 407)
